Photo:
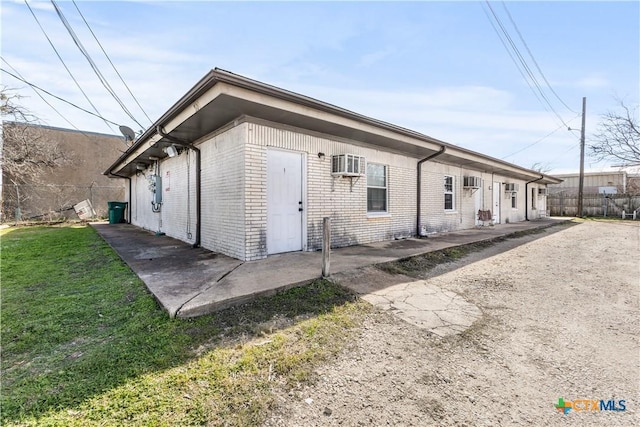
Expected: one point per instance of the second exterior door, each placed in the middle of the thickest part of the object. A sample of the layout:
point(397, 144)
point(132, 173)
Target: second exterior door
point(284, 201)
point(496, 202)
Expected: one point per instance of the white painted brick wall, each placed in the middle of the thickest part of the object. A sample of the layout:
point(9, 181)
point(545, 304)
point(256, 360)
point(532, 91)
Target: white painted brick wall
point(223, 192)
point(234, 199)
point(335, 197)
point(173, 215)
point(507, 213)
point(140, 203)
point(255, 190)
point(178, 210)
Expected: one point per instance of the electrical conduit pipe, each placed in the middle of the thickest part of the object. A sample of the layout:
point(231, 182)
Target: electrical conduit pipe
point(190, 146)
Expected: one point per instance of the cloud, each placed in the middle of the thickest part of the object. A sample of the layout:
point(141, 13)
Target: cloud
point(372, 58)
point(39, 5)
point(480, 118)
point(592, 82)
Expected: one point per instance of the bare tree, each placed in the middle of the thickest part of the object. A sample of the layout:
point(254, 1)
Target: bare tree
point(618, 136)
point(540, 167)
point(26, 153)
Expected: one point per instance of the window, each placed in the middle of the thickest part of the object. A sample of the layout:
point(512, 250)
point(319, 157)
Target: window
point(449, 199)
point(376, 188)
point(514, 200)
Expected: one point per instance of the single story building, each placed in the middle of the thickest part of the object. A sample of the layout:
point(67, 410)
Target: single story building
point(247, 169)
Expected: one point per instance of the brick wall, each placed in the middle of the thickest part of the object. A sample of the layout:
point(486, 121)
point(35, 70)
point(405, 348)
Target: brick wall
point(140, 202)
point(178, 210)
point(223, 192)
point(234, 199)
point(342, 199)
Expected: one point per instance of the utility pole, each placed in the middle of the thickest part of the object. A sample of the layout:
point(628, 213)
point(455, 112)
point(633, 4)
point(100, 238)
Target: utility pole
point(581, 180)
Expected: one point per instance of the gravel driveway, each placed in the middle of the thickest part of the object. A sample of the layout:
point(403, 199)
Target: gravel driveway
point(560, 318)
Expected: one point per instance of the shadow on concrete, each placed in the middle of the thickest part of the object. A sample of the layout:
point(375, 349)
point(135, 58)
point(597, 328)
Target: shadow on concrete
point(190, 282)
point(377, 277)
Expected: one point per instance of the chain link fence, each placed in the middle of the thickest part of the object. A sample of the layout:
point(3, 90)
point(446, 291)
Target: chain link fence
point(53, 201)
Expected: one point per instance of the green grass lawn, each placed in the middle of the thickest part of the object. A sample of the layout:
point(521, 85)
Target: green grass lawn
point(84, 343)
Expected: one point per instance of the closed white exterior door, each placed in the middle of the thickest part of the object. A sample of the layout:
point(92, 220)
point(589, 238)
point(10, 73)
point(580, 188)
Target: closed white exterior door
point(284, 201)
point(496, 202)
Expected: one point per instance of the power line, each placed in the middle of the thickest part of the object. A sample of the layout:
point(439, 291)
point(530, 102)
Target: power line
point(534, 59)
point(57, 97)
point(43, 98)
point(515, 62)
point(521, 60)
point(65, 65)
point(539, 140)
point(110, 62)
point(93, 65)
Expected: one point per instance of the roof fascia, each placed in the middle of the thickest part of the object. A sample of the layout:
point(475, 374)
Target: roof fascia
point(218, 75)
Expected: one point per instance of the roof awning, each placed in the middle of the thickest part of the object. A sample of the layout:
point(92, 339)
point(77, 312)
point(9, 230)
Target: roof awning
point(221, 98)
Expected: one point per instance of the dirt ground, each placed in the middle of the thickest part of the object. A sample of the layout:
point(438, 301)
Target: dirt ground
point(561, 318)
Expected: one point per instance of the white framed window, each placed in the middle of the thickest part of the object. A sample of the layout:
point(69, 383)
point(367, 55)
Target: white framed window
point(376, 188)
point(449, 193)
point(514, 200)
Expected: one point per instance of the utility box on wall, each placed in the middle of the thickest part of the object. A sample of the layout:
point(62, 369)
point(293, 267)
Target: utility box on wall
point(155, 186)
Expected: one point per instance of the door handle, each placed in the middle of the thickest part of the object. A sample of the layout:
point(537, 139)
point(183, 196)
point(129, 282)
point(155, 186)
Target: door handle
point(300, 208)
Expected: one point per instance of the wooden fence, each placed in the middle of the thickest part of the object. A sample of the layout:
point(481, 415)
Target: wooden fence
point(610, 205)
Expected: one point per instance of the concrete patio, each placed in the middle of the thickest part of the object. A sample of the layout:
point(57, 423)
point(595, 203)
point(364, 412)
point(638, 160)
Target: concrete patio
point(190, 282)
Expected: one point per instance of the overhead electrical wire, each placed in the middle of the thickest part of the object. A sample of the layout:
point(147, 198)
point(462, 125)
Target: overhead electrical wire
point(534, 59)
point(521, 63)
point(57, 97)
point(42, 97)
point(539, 140)
point(111, 62)
point(93, 65)
point(533, 91)
point(65, 66)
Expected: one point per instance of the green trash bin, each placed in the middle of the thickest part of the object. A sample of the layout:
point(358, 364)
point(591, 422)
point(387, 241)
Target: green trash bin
point(116, 212)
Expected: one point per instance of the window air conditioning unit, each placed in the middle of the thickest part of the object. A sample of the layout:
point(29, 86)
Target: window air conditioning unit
point(509, 188)
point(348, 165)
point(542, 192)
point(472, 182)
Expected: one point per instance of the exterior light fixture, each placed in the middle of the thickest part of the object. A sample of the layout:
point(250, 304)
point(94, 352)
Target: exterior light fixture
point(171, 151)
point(321, 156)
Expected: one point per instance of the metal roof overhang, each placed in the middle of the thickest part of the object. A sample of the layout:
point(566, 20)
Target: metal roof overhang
point(204, 110)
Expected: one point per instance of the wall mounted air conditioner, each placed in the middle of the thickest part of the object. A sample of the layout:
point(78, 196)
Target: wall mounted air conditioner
point(472, 182)
point(510, 188)
point(348, 165)
point(542, 192)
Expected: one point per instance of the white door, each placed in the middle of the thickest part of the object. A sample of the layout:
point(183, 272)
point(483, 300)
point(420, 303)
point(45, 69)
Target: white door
point(284, 201)
point(496, 202)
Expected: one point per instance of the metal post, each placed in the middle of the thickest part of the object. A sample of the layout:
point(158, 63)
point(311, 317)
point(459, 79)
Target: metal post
point(581, 182)
point(326, 247)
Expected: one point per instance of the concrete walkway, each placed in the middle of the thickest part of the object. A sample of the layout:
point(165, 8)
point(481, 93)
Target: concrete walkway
point(426, 306)
point(190, 282)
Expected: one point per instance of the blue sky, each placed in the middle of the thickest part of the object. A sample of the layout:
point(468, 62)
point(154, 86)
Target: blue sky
point(435, 67)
